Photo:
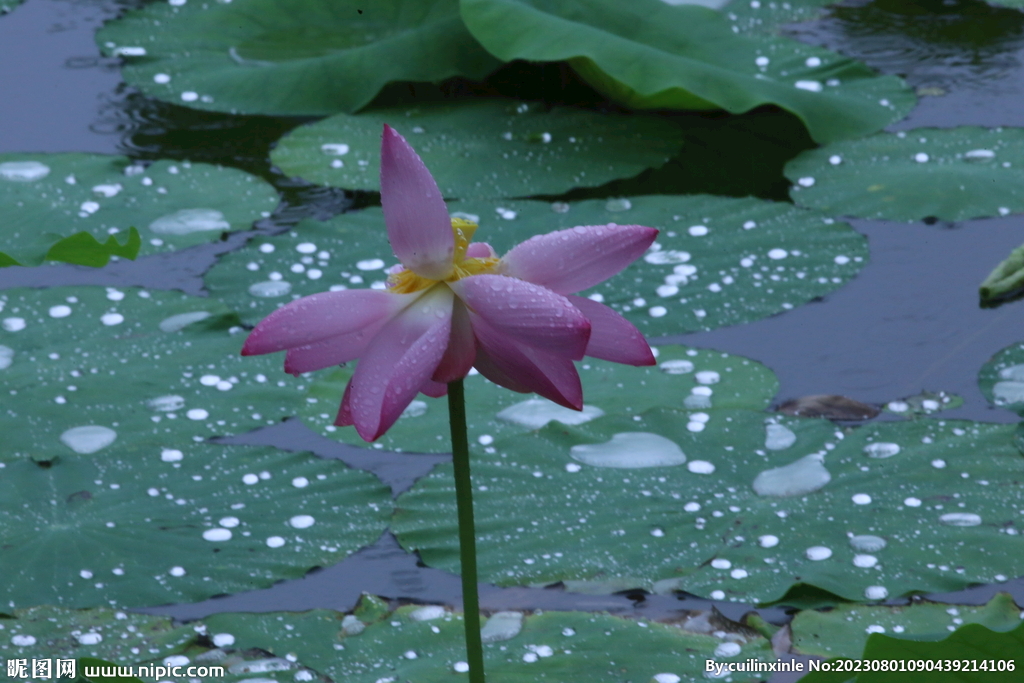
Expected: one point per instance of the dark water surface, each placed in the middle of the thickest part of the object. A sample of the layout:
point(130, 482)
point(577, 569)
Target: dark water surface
point(909, 322)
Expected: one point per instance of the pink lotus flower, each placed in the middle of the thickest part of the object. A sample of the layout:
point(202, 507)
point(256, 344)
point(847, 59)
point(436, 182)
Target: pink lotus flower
point(453, 305)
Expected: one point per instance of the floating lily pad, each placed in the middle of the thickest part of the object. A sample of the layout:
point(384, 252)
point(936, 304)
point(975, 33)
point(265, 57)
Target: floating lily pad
point(844, 630)
point(427, 644)
point(484, 148)
point(889, 509)
point(692, 59)
point(162, 522)
point(305, 58)
point(718, 260)
point(44, 198)
point(950, 174)
point(925, 403)
point(81, 368)
point(122, 637)
point(1001, 379)
point(688, 377)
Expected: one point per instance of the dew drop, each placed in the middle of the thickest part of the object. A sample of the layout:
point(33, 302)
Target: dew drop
point(88, 439)
point(778, 437)
point(727, 649)
point(60, 311)
point(800, 477)
point(867, 543)
point(818, 553)
point(881, 449)
point(618, 204)
point(960, 519)
point(876, 592)
point(630, 450)
point(534, 413)
point(302, 521)
point(428, 613)
point(501, 626)
point(171, 455)
point(676, 367)
point(188, 221)
point(810, 86)
point(223, 640)
point(270, 289)
point(275, 542)
point(182, 320)
point(217, 534)
point(23, 171)
point(768, 541)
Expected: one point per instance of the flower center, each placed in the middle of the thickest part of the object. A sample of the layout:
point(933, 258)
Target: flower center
point(406, 281)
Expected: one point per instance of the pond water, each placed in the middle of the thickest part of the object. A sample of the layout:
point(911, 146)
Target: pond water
point(910, 321)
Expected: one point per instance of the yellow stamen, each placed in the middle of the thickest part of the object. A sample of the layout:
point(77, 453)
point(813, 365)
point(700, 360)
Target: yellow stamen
point(406, 282)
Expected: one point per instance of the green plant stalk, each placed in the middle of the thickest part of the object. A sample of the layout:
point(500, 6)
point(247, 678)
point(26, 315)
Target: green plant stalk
point(467, 534)
point(1006, 279)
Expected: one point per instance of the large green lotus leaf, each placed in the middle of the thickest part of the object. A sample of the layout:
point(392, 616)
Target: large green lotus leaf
point(300, 58)
point(85, 367)
point(1001, 379)
point(46, 197)
point(718, 260)
point(844, 630)
point(764, 17)
point(484, 148)
point(937, 514)
point(426, 643)
point(683, 377)
point(691, 59)
point(951, 174)
point(113, 635)
point(164, 521)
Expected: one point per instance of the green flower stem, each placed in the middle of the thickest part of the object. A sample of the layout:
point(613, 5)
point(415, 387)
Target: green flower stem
point(1007, 278)
point(467, 537)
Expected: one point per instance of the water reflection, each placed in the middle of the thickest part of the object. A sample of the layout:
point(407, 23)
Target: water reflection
point(936, 44)
point(963, 57)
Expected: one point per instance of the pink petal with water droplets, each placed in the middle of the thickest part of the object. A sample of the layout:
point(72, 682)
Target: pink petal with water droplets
point(333, 351)
point(344, 418)
point(461, 352)
point(612, 337)
point(399, 361)
point(568, 261)
point(321, 316)
point(524, 369)
point(433, 389)
point(480, 250)
point(527, 313)
point(419, 228)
